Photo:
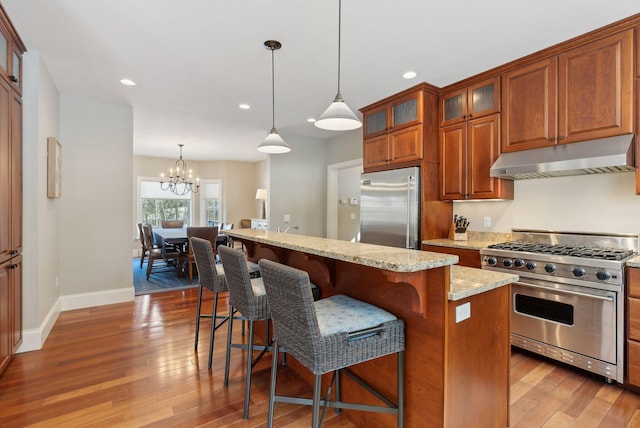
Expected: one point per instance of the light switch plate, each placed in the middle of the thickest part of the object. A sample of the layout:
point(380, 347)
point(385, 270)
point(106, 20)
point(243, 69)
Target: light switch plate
point(287, 218)
point(463, 312)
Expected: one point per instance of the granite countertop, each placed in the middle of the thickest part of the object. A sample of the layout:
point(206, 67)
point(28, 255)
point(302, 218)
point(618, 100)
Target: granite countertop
point(467, 282)
point(475, 241)
point(634, 262)
point(379, 256)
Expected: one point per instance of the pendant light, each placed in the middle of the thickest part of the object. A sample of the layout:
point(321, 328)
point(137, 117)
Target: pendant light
point(274, 142)
point(338, 116)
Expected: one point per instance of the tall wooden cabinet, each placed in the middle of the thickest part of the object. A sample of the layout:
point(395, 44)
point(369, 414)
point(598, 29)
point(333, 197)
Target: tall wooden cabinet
point(393, 130)
point(581, 94)
point(11, 50)
point(467, 151)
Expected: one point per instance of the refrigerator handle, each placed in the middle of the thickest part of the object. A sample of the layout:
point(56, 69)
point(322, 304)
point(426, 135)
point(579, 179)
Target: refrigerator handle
point(408, 222)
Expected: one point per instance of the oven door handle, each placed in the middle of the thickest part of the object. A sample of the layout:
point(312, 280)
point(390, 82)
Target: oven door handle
point(575, 293)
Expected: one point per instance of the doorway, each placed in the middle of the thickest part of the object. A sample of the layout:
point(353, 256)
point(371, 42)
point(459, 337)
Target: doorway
point(343, 200)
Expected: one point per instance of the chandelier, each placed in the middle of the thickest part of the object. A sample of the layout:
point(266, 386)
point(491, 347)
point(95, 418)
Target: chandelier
point(180, 181)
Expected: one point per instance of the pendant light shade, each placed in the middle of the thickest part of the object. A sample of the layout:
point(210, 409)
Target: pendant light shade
point(273, 143)
point(338, 116)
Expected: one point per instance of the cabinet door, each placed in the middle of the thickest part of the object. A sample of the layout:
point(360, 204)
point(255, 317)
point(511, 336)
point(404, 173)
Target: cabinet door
point(529, 106)
point(483, 148)
point(595, 90)
point(453, 107)
point(375, 121)
point(405, 145)
point(633, 362)
point(6, 347)
point(5, 173)
point(16, 174)
point(375, 152)
point(15, 302)
point(483, 98)
point(453, 162)
point(406, 111)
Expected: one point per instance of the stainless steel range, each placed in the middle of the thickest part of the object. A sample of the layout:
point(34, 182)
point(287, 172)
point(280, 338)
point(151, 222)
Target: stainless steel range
point(569, 302)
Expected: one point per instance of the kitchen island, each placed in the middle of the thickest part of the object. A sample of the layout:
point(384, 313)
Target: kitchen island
point(456, 321)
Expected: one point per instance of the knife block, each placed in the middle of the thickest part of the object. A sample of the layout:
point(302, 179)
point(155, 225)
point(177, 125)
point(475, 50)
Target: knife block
point(456, 236)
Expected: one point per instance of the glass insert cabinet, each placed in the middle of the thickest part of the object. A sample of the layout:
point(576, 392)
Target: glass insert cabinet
point(468, 103)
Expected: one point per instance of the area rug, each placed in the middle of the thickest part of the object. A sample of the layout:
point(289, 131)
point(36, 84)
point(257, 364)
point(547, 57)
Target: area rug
point(159, 281)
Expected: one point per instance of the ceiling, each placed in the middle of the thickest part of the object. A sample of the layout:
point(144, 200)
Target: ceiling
point(195, 61)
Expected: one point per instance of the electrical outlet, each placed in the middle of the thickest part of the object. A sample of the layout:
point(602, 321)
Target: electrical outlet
point(353, 216)
point(463, 312)
point(287, 218)
point(487, 221)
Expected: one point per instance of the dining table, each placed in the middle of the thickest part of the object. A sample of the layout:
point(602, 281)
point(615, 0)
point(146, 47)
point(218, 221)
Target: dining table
point(177, 237)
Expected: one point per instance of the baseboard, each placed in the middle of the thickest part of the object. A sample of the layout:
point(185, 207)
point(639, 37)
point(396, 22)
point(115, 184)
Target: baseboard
point(97, 298)
point(33, 339)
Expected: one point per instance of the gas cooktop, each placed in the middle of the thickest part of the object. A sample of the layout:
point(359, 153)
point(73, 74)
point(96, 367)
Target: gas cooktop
point(566, 250)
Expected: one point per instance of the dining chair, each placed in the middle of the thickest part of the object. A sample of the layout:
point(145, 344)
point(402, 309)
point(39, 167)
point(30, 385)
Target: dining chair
point(248, 297)
point(208, 233)
point(144, 250)
point(172, 224)
point(211, 277)
point(329, 335)
point(162, 253)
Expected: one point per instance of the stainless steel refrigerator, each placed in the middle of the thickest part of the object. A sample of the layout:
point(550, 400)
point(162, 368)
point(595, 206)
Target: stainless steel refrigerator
point(390, 208)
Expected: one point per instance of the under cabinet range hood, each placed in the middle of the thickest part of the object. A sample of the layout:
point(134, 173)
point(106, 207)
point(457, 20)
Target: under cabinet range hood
point(612, 154)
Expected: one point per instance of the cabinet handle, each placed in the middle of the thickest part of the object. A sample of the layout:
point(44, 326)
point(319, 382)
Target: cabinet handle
point(552, 139)
point(13, 266)
point(470, 115)
point(560, 137)
point(13, 78)
point(12, 252)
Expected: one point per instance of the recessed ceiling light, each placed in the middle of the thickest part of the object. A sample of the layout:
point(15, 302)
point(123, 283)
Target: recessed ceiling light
point(127, 82)
point(244, 106)
point(409, 74)
point(311, 120)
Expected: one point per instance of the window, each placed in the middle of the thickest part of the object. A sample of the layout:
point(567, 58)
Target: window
point(158, 205)
point(211, 202)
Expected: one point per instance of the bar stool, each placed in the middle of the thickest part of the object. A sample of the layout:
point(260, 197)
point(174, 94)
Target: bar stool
point(211, 277)
point(329, 335)
point(247, 296)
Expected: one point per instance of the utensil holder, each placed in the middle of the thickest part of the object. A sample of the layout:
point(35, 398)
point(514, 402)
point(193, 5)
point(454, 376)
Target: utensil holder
point(456, 236)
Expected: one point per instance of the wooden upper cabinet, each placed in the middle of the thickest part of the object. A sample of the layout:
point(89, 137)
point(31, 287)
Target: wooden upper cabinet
point(637, 30)
point(467, 152)
point(393, 130)
point(474, 101)
point(595, 97)
point(11, 50)
point(529, 106)
point(582, 94)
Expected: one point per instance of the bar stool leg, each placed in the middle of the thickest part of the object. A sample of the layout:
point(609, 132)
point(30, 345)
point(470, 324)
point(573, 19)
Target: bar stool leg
point(228, 356)
point(315, 412)
point(212, 335)
point(272, 386)
point(195, 347)
point(338, 390)
point(247, 384)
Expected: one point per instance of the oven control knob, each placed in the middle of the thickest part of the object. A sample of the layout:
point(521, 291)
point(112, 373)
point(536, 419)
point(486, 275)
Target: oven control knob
point(492, 261)
point(531, 266)
point(578, 271)
point(507, 263)
point(519, 263)
point(550, 268)
point(603, 275)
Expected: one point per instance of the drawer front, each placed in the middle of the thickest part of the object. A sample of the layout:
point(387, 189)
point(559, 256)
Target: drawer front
point(633, 315)
point(633, 282)
point(633, 362)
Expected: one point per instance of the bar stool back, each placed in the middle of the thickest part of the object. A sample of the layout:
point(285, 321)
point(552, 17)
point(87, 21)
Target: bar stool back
point(247, 296)
point(330, 334)
point(211, 276)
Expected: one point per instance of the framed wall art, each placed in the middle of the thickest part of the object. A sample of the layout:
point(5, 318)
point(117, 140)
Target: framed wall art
point(54, 168)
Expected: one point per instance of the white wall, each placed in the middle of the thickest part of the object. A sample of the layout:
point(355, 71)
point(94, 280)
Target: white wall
point(589, 203)
point(297, 186)
point(95, 208)
point(40, 214)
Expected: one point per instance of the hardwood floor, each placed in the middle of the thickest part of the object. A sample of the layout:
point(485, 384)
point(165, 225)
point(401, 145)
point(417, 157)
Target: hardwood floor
point(133, 365)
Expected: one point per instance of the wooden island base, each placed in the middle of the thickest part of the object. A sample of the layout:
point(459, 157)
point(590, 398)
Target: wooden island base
point(457, 374)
